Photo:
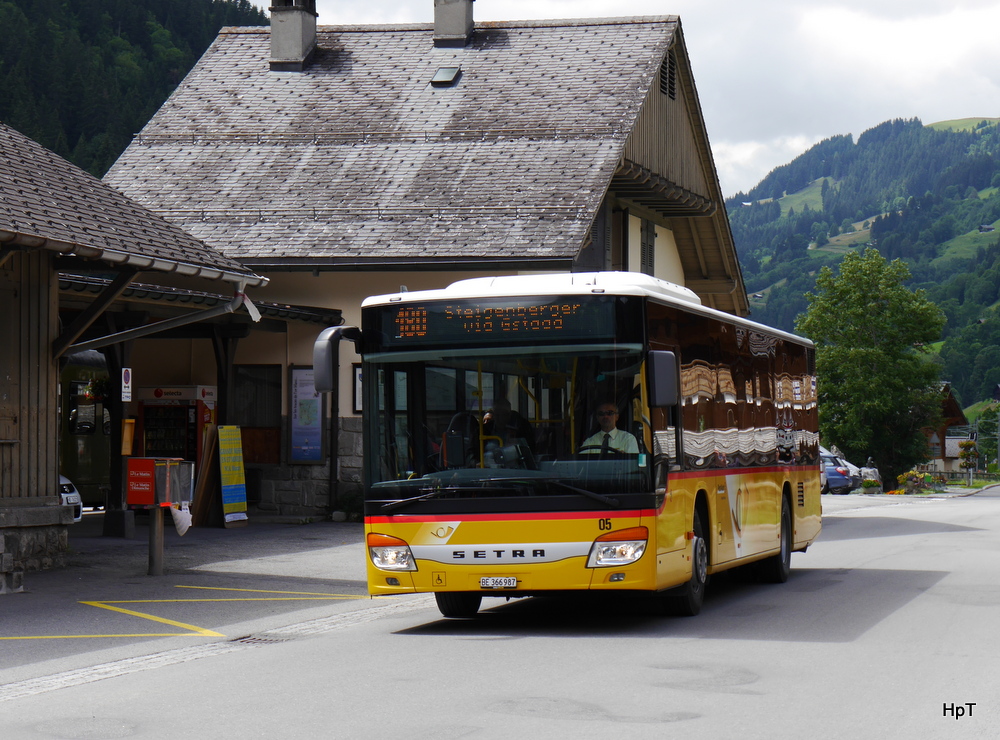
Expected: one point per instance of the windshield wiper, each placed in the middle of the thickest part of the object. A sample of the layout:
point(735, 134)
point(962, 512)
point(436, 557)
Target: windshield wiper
point(422, 497)
point(440, 490)
point(434, 493)
point(606, 500)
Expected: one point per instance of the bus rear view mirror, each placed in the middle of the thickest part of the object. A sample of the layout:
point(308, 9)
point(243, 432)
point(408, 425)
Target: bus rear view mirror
point(326, 355)
point(661, 378)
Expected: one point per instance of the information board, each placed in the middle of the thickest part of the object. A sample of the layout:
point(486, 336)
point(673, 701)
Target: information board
point(232, 475)
point(307, 418)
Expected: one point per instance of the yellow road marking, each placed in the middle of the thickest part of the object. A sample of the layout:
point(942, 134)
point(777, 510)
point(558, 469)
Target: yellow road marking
point(171, 622)
point(84, 637)
point(192, 630)
point(264, 591)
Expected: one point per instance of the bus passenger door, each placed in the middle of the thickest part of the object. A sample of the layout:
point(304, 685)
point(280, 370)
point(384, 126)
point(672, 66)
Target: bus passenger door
point(730, 516)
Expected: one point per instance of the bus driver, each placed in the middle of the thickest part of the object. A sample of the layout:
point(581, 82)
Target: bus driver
point(610, 438)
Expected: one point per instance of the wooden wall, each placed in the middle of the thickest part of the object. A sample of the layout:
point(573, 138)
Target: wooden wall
point(29, 462)
point(663, 140)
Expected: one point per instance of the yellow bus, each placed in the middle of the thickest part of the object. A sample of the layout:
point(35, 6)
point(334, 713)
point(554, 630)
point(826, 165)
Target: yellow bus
point(602, 432)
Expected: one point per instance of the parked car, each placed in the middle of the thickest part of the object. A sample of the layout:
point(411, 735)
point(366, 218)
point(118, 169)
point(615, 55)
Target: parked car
point(71, 497)
point(838, 475)
point(855, 472)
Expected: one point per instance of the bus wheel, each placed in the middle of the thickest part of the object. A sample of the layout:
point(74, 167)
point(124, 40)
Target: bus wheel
point(686, 600)
point(452, 604)
point(775, 569)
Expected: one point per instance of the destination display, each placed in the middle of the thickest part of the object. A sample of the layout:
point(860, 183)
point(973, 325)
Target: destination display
point(497, 321)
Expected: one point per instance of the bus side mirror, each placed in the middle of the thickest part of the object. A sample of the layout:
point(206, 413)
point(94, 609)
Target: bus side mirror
point(661, 378)
point(326, 358)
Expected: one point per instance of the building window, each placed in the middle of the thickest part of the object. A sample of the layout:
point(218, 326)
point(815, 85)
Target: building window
point(255, 407)
point(647, 247)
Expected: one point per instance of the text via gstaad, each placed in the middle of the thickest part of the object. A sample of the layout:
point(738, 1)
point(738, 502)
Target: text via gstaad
point(479, 320)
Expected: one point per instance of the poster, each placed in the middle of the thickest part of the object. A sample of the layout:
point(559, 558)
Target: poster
point(233, 478)
point(307, 418)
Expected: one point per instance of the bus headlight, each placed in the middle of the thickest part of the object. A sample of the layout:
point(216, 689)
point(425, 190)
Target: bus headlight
point(618, 548)
point(390, 553)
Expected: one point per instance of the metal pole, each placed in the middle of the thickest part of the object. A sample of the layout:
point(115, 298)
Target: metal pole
point(156, 541)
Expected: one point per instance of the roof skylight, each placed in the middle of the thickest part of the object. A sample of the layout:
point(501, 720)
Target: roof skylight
point(446, 76)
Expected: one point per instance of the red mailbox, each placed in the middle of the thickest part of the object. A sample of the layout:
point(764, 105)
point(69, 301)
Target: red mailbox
point(157, 481)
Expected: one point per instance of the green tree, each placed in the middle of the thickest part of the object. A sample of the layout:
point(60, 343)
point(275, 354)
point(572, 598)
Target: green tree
point(877, 392)
point(987, 431)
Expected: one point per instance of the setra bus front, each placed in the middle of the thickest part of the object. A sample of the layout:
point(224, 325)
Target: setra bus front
point(584, 432)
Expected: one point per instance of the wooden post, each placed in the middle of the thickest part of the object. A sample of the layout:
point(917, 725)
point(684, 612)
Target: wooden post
point(156, 541)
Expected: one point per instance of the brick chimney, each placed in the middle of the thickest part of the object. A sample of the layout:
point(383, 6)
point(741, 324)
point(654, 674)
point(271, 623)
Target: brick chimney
point(453, 22)
point(293, 34)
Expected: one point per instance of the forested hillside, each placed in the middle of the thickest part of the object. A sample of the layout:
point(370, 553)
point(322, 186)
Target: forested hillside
point(82, 77)
point(929, 195)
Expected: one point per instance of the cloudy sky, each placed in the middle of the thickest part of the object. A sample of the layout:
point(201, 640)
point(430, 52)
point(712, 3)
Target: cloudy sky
point(776, 76)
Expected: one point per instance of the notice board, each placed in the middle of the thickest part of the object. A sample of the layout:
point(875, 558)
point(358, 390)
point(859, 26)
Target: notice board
point(232, 476)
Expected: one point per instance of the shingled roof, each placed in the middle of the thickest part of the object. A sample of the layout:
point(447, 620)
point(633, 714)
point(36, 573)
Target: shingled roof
point(359, 161)
point(49, 203)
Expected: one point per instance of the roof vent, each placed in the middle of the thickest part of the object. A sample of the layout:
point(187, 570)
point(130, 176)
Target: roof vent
point(668, 75)
point(453, 22)
point(293, 34)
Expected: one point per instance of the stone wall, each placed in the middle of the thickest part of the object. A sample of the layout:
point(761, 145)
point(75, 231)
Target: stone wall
point(350, 494)
point(304, 490)
point(30, 548)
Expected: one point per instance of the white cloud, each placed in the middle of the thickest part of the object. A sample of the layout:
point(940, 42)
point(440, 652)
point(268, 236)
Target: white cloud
point(741, 162)
point(776, 76)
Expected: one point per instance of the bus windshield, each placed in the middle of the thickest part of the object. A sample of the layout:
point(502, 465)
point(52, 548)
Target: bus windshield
point(506, 423)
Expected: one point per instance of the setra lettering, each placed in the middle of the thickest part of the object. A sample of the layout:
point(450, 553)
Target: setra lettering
point(496, 554)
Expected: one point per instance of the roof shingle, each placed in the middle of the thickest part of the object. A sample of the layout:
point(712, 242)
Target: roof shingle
point(48, 202)
point(359, 158)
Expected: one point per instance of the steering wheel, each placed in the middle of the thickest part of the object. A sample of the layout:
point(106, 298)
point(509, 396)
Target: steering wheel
point(598, 451)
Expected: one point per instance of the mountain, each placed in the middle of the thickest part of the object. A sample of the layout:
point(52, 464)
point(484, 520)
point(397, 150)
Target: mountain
point(82, 77)
point(928, 195)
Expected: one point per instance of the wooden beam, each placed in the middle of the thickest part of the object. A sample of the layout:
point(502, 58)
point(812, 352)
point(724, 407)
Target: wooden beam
point(87, 317)
point(5, 254)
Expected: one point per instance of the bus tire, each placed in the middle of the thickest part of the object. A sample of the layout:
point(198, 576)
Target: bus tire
point(458, 605)
point(686, 600)
point(776, 568)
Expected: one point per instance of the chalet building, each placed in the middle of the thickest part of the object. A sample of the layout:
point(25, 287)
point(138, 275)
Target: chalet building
point(347, 161)
point(943, 441)
point(60, 228)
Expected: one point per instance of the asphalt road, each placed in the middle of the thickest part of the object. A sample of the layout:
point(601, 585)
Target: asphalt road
point(886, 629)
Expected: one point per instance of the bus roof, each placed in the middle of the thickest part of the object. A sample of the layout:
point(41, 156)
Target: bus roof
point(562, 283)
point(577, 283)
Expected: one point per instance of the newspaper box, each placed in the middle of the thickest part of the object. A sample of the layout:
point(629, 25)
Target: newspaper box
point(158, 481)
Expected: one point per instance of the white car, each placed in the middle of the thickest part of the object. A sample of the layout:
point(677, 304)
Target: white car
point(71, 497)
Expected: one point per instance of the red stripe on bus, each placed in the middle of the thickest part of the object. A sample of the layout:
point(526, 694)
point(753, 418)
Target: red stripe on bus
point(723, 472)
point(538, 516)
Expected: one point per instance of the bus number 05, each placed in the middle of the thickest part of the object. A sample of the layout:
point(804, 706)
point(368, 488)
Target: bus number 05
point(604, 524)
